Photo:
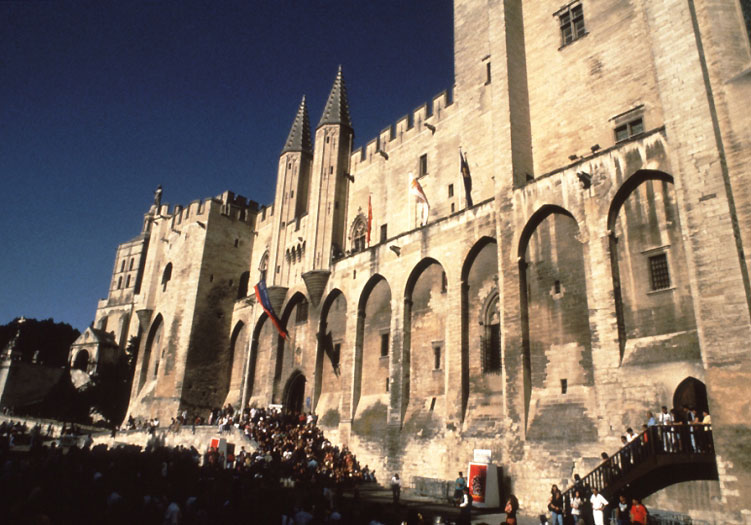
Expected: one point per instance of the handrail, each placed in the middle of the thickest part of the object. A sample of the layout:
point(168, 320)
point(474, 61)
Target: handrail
point(659, 440)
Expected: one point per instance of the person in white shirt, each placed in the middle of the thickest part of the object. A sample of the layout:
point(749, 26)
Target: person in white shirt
point(598, 507)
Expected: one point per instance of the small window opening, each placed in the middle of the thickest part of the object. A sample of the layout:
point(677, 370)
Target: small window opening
point(385, 344)
point(452, 207)
point(387, 384)
point(423, 164)
point(557, 287)
point(122, 265)
point(564, 386)
point(629, 129)
point(119, 283)
point(451, 190)
point(166, 276)
point(571, 20)
point(127, 282)
point(384, 232)
point(436, 357)
point(444, 283)
point(354, 274)
point(237, 242)
point(432, 404)
point(659, 273)
point(487, 73)
point(132, 261)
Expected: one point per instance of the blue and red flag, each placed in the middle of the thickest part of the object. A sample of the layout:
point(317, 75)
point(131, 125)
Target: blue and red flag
point(262, 295)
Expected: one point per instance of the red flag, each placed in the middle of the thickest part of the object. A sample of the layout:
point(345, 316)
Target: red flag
point(370, 220)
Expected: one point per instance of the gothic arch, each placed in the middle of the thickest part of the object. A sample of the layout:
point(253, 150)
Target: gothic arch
point(372, 333)
point(284, 359)
point(331, 332)
point(358, 233)
point(473, 283)
point(293, 397)
point(250, 373)
point(153, 345)
point(426, 286)
point(236, 347)
point(692, 393)
point(647, 256)
point(556, 337)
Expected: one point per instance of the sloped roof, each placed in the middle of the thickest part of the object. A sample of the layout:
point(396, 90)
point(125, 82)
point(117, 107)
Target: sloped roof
point(337, 106)
point(299, 136)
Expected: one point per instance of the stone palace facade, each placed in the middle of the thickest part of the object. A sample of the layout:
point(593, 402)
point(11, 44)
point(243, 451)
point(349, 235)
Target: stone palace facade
point(597, 269)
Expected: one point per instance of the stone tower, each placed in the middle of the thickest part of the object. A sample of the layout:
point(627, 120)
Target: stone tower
point(329, 189)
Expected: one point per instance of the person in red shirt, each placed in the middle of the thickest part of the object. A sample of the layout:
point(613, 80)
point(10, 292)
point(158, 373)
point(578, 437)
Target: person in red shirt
point(638, 512)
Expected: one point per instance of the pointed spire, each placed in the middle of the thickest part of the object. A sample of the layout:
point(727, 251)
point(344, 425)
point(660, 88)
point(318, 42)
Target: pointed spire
point(337, 106)
point(299, 135)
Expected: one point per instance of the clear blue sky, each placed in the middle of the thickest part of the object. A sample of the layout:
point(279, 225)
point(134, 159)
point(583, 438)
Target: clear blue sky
point(102, 101)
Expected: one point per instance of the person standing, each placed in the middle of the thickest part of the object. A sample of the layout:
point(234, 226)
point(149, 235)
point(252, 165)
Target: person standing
point(459, 485)
point(396, 488)
point(576, 506)
point(621, 512)
point(555, 506)
point(638, 512)
point(465, 514)
point(598, 506)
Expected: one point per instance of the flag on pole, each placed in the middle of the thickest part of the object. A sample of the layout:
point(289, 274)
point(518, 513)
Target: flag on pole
point(262, 295)
point(422, 200)
point(370, 219)
point(467, 177)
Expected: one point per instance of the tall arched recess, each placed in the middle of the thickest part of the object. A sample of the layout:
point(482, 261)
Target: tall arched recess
point(237, 346)
point(260, 354)
point(372, 351)
point(557, 360)
point(288, 352)
point(330, 337)
point(153, 346)
point(650, 273)
point(481, 331)
point(423, 347)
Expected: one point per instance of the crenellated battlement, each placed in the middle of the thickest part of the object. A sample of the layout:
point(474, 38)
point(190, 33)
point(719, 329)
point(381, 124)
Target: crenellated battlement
point(405, 127)
point(228, 204)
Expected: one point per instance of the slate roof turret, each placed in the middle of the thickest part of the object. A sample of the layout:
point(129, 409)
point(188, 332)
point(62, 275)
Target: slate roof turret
point(337, 106)
point(299, 138)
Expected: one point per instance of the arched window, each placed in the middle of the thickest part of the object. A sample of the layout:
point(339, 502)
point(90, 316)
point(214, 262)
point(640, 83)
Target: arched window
point(264, 266)
point(82, 360)
point(132, 261)
point(359, 228)
point(491, 339)
point(166, 276)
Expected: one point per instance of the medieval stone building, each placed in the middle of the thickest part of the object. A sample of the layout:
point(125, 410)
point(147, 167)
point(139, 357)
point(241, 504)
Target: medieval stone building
point(597, 268)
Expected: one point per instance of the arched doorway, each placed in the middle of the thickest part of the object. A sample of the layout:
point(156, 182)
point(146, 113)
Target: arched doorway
point(294, 393)
point(691, 393)
point(82, 361)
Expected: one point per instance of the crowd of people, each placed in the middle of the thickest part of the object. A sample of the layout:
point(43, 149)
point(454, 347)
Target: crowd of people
point(290, 474)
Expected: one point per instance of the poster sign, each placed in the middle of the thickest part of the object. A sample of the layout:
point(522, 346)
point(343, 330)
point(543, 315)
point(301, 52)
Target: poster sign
point(477, 477)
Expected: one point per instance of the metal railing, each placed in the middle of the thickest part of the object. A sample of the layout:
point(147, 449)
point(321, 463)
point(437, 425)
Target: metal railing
point(668, 440)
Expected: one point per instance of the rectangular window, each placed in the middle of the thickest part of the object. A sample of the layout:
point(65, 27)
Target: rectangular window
point(451, 190)
point(629, 129)
point(423, 164)
point(571, 19)
point(487, 73)
point(384, 232)
point(436, 357)
point(659, 273)
point(385, 344)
